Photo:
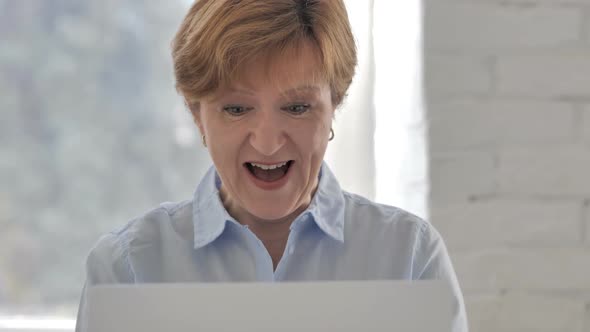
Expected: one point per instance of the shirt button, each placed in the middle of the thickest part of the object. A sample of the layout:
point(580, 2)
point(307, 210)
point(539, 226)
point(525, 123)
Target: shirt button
point(291, 249)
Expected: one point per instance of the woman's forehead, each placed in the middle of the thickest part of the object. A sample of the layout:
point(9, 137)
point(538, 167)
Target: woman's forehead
point(301, 71)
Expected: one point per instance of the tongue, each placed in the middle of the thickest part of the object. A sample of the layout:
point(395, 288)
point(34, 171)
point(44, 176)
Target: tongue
point(269, 175)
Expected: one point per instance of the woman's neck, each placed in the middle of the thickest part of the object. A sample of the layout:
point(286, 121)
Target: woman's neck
point(273, 233)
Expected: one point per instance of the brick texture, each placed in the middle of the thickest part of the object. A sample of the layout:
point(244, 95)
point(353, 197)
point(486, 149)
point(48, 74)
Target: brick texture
point(524, 312)
point(507, 87)
point(468, 173)
point(456, 76)
point(493, 123)
point(509, 223)
point(492, 27)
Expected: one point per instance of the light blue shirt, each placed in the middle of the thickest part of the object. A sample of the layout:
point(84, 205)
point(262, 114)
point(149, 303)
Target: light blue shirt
point(341, 236)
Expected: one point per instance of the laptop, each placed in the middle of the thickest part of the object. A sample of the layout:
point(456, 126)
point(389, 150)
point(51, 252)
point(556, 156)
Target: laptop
point(360, 306)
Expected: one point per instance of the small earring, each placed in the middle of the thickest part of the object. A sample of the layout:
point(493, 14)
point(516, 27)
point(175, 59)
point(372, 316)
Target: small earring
point(331, 134)
point(204, 140)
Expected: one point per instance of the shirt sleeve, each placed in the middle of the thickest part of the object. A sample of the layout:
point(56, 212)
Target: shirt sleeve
point(432, 261)
point(106, 264)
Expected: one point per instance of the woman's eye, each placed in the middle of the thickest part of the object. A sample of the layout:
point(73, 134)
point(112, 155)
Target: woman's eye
point(235, 110)
point(297, 108)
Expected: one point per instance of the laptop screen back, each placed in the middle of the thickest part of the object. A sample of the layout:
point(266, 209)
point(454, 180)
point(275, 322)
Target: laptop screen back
point(365, 306)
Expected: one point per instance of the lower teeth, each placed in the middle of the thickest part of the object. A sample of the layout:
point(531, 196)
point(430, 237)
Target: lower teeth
point(269, 175)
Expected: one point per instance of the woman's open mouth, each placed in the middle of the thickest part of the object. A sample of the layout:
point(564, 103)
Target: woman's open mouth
point(269, 173)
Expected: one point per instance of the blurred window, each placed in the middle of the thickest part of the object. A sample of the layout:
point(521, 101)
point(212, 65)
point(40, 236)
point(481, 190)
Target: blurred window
point(93, 133)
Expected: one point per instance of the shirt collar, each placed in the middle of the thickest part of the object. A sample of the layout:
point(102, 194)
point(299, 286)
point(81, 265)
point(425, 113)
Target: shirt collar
point(210, 216)
point(327, 205)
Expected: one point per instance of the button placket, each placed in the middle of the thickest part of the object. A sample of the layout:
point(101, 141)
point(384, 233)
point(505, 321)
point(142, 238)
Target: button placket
point(264, 265)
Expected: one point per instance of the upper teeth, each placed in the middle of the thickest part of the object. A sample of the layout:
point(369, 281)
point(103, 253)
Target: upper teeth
point(267, 167)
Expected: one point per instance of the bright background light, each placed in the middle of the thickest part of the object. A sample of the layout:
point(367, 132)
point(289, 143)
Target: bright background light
point(380, 148)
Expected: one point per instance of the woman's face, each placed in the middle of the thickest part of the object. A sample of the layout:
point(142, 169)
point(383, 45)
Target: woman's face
point(267, 135)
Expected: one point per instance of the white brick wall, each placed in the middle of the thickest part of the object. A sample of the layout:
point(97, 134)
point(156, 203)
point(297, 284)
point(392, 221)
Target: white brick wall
point(585, 118)
point(551, 171)
point(508, 96)
point(525, 312)
point(509, 223)
point(494, 28)
point(500, 123)
point(532, 269)
point(457, 75)
point(565, 75)
point(468, 173)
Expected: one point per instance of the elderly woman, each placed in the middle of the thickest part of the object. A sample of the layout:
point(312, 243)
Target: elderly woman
point(262, 80)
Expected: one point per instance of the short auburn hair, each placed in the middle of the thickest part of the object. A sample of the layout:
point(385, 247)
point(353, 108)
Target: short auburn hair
point(218, 36)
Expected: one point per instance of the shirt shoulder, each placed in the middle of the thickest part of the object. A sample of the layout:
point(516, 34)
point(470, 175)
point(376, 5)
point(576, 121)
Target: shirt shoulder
point(167, 220)
point(362, 212)
point(109, 260)
point(411, 241)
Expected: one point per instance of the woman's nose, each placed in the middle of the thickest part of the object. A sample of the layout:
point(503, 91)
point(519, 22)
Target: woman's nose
point(267, 135)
